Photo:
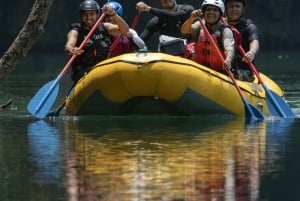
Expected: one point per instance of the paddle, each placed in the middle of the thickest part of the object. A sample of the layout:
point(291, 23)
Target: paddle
point(43, 100)
point(133, 25)
point(277, 106)
point(56, 112)
point(63, 104)
point(250, 111)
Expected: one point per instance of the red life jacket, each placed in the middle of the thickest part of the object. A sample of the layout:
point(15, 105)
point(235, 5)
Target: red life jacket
point(124, 45)
point(206, 54)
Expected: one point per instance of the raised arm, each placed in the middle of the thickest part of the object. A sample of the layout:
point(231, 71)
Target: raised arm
point(120, 26)
point(180, 14)
point(186, 28)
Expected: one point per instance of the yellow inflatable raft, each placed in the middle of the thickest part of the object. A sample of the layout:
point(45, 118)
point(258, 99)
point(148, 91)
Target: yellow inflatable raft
point(157, 83)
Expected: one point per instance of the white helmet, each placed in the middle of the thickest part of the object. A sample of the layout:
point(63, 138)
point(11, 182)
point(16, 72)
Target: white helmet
point(218, 3)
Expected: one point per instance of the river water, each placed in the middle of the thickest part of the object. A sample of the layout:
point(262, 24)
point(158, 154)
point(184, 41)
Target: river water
point(154, 158)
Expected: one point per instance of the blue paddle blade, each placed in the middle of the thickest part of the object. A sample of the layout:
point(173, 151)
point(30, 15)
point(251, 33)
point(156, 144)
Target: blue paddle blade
point(277, 106)
point(250, 111)
point(43, 100)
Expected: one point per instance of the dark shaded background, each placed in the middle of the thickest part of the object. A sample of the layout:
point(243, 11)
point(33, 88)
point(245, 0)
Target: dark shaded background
point(277, 21)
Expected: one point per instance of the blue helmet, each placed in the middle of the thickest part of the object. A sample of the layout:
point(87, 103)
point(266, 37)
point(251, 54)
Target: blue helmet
point(117, 7)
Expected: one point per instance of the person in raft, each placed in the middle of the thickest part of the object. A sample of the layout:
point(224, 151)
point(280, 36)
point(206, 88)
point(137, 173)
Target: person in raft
point(205, 53)
point(166, 21)
point(235, 10)
point(121, 44)
point(98, 46)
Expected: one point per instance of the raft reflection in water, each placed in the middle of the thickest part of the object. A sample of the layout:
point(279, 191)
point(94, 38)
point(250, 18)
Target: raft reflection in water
point(165, 162)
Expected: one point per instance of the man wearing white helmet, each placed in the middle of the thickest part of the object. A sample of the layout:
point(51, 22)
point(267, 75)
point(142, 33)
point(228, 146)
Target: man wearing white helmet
point(205, 54)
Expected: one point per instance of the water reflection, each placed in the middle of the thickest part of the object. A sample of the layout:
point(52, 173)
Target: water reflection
point(109, 158)
point(173, 159)
point(157, 159)
point(44, 152)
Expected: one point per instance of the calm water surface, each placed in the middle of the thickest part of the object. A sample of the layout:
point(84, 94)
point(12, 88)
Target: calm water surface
point(146, 158)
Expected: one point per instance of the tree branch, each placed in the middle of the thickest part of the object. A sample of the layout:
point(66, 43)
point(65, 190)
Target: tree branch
point(30, 33)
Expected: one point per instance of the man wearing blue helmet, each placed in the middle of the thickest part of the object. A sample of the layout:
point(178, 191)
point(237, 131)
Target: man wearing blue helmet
point(123, 43)
point(97, 47)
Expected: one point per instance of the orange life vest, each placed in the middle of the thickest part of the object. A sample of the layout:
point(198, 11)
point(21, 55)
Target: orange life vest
point(206, 54)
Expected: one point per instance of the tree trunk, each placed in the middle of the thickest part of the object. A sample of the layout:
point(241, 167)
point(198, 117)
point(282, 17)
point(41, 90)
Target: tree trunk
point(30, 33)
